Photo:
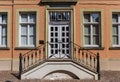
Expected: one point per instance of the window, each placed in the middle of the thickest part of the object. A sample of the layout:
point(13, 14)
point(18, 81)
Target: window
point(116, 29)
point(91, 29)
point(56, 16)
point(27, 29)
point(3, 29)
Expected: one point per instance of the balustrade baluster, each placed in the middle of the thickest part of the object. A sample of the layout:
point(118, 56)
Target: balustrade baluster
point(83, 56)
point(28, 60)
point(31, 58)
point(24, 62)
point(39, 54)
point(79, 54)
point(98, 65)
point(20, 65)
point(74, 56)
point(86, 58)
point(90, 61)
point(94, 62)
point(35, 56)
point(44, 53)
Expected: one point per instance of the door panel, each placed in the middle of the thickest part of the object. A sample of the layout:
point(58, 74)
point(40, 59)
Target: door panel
point(59, 38)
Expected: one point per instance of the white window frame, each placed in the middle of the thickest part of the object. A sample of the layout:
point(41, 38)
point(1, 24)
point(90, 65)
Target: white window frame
point(91, 23)
point(118, 26)
point(1, 26)
point(28, 23)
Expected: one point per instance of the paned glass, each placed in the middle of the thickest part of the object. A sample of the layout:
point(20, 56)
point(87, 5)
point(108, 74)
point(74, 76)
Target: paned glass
point(86, 17)
point(24, 18)
point(115, 18)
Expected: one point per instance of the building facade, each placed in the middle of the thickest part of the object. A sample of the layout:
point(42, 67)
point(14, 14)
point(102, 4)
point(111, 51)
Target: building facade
point(94, 25)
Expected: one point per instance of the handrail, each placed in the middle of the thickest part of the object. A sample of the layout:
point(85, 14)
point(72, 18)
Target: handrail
point(82, 48)
point(36, 48)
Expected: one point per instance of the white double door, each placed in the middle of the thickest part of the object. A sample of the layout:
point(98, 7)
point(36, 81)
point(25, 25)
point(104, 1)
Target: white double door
point(59, 41)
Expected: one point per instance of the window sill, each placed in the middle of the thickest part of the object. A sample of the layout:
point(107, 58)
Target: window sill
point(25, 48)
point(114, 48)
point(4, 48)
point(93, 48)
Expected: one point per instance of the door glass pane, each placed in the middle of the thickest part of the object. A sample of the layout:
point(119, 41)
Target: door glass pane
point(67, 34)
point(63, 28)
point(56, 45)
point(67, 45)
point(52, 29)
point(63, 51)
point(52, 51)
point(67, 51)
point(52, 40)
point(52, 34)
point(56, 51)
point(63, 45)
point(67, 28)
point(63, 34)
point(67, 40)
point(56, 34)
point(63, 39)
point(56, 40)
point(56, 28)
point(52, 45)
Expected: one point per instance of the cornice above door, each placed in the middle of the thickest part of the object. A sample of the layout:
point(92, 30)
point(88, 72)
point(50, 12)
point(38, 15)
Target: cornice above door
point(59, 1)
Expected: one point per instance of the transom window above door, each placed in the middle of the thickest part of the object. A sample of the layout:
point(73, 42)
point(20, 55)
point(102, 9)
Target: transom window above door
point(91, 29)
point(59, 16)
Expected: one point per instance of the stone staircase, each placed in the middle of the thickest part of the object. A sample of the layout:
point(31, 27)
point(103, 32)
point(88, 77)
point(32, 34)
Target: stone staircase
point(83, 64)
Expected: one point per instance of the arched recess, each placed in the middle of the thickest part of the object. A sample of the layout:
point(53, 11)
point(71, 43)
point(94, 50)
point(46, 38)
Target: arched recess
point(60, 74)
